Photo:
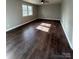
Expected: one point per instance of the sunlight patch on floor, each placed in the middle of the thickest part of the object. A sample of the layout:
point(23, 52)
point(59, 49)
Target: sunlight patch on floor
point(46, 24)
point(44, 27)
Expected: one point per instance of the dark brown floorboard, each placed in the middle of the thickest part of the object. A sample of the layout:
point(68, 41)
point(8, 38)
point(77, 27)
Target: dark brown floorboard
point(26, 42)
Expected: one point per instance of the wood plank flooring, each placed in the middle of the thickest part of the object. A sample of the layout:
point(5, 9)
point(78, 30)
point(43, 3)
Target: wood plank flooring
point(27, 42)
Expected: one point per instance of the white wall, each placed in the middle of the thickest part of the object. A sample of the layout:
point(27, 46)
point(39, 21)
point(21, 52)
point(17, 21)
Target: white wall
point(67, 19)
point(52, 12)
point(14, 14)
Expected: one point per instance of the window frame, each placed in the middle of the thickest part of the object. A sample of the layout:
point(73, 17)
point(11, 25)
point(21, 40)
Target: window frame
point(28, 11)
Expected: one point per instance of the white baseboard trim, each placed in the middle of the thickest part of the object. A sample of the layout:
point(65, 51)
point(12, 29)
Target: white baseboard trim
point(67, 37)
point(49, 18)
point(19, 25)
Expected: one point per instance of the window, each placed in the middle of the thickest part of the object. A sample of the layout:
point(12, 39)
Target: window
point(27, 10)
point(24, 10)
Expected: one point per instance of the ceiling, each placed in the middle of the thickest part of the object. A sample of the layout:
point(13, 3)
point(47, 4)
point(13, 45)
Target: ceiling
point(38, 2)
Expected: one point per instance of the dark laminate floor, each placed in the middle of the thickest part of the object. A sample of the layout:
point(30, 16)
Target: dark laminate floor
point(27, 42)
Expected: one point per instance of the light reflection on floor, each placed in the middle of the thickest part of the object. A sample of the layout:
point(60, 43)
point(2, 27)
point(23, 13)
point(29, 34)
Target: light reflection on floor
point(45, 24)
point(44, 27)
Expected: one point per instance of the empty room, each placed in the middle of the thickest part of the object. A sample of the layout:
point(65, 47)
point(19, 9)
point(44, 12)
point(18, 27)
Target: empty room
point(39, 29)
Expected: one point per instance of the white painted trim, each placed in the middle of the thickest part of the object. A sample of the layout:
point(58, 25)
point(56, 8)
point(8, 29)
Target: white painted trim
point(67, 37)
point(19, 25)
point(49, 18)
